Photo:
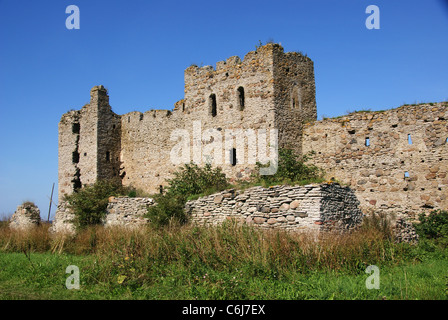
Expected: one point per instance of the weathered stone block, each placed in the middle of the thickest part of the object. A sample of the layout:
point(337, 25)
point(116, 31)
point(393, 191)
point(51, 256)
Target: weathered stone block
point(294, 204)
point(259, 220)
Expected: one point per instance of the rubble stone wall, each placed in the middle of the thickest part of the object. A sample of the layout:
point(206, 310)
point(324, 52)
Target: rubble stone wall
point(311, 207)
point(127, 212)
point(396, 161)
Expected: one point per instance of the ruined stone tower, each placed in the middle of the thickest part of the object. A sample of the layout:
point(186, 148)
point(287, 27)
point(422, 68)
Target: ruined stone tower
point(267, 89)
point(89, 143)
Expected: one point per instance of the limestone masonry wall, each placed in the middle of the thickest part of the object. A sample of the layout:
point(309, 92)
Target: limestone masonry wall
point(395, 161)
point(127, 212)
point(311, 207)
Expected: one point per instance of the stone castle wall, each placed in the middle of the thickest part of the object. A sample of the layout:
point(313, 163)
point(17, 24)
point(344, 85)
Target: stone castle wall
point(395, 160)
point(127, 212)
point(311, 207)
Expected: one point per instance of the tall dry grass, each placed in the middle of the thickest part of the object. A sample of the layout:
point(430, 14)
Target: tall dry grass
point(221, 247)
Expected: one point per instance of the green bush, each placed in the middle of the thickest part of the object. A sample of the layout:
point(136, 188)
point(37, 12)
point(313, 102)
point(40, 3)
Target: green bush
point(90, 202)
point(193, 180)
point(434, 227)
point(168, 208)
point(189, 181)
point(291, 169)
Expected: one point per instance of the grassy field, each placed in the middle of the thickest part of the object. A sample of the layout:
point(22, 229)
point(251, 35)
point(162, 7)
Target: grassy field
point(227, 262)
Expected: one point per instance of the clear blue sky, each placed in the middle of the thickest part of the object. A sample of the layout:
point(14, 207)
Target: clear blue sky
point(139, 50)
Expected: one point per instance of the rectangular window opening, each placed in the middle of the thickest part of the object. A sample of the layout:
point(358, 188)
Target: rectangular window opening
point(76, 128)
point(406, 174)
point(409, 139)
point(367, 142)
point(212, 103)
point(75, 157)
point(233, 157)
point(241, 98)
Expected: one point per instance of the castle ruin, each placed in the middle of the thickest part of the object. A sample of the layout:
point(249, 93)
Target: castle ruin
point(396, 160)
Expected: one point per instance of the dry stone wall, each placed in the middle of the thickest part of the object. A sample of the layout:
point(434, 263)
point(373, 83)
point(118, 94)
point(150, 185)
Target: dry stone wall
point(396, 161)
point(311, 207)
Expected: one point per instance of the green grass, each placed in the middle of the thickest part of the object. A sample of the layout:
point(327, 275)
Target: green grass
point(46, 280)
point(226, 262)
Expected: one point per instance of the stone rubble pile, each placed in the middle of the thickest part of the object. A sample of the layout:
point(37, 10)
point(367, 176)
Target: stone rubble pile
point(26, 216)
point(404, 231)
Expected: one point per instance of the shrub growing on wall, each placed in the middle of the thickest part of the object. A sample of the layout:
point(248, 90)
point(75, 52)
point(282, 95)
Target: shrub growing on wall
point(189, 180)
point(90, 202)
point(291, 169)
point(192, 180)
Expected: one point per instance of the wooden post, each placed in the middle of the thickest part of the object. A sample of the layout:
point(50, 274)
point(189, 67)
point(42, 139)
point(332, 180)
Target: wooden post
point(51, 200)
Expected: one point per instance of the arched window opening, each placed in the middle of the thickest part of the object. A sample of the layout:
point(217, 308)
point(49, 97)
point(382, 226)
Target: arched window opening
point(241, 98)
point(212, 103)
